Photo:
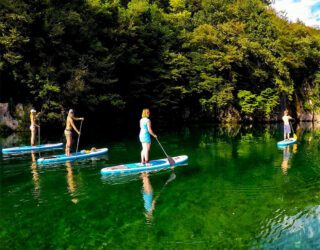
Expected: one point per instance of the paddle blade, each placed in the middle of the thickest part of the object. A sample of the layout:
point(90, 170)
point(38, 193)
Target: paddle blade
point(171, 161)
point(171, 178)
point(295, 136)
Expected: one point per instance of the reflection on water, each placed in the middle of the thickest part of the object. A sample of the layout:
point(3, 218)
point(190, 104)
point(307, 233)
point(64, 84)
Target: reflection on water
point(147, 194)
point(71, 183)
point(285, 165)
point(285, 161)
point(119, 179)
point(35, 176)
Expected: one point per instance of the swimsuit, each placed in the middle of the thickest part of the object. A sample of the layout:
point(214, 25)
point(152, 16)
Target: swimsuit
point(144, 134)
point(67, 132)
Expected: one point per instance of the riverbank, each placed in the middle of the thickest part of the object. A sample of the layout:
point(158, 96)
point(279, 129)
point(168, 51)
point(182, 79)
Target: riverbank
point(18, 121)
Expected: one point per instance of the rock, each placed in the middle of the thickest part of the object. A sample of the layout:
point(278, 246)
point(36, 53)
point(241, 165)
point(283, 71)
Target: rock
point(20, 111)
point(6, 119)
point(308, 116)
point(11, 140)
point(305, 116)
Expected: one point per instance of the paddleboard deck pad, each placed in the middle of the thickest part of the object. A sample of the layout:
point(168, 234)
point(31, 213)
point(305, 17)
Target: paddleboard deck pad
point(23, 149)
point(136, 167)
point(286, 142)
point(75, 156)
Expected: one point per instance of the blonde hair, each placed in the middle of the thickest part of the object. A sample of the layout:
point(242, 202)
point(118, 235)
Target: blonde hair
point(145, 113)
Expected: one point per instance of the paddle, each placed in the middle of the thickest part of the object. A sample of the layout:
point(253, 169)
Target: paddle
point(39, 114)
point(170, 160)
point(79, 136)
point(294, 134)
point(39, 135)
point(171, 178)
point(39, 139)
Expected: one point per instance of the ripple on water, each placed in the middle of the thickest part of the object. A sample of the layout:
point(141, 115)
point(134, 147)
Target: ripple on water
point(301, 230)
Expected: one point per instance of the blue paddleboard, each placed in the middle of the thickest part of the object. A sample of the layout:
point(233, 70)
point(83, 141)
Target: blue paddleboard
point(73, 157)
point(23, 149)
point(286, 142)
point(136, 167)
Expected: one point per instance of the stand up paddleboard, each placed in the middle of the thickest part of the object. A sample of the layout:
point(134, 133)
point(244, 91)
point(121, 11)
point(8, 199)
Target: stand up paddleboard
point(75, 156)
point(286, 142)
point(136, 167)
point(24, 149)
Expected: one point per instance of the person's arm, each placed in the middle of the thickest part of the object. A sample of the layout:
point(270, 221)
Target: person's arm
point(78, 118)
point(36, 117)
point(150, 130)
point(74, 126)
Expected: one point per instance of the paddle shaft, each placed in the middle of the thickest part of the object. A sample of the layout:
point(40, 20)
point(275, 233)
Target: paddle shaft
point(162, 148)
point(79, 136)
point(171, 161)
point(294, 134)
point(39, 135)
point(39, 140)
point(171, 178)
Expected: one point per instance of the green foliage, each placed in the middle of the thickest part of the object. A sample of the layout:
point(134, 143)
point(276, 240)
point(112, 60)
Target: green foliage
point(312, 102)
point(264, 103)
point(248, 101)
point(268, 100)
point(195, 58)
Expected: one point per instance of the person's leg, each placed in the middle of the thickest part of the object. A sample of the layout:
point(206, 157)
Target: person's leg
point(286, 132)
point(33, 137)
point(142, 153)
point(68, 144)
point(147, 149)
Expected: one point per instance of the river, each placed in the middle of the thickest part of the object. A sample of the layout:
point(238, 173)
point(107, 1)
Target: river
point(238, 190)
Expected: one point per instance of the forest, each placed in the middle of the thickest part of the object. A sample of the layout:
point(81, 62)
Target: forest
point(187, 60)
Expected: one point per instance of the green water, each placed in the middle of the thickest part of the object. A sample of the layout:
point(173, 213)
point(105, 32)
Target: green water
point(237, 191)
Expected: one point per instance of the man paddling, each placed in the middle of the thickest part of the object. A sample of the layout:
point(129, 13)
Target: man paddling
point(33, 116)
point(286, 127)
point(68, 130)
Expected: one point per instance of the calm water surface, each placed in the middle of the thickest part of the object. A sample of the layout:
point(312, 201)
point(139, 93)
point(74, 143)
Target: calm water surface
point(237, 191)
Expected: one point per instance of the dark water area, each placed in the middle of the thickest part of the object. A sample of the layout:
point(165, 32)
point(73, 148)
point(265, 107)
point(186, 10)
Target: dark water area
point(238, 190)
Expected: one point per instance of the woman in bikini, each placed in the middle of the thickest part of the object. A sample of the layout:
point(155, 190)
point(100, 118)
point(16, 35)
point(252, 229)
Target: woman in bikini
point(68, 130)
point(144, 136)
point(33, 116)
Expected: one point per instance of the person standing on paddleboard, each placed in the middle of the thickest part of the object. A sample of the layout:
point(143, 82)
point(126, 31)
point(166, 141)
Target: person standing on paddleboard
point(144, 136)
point(286, 127)
point(33, 116)
point(68, 130)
